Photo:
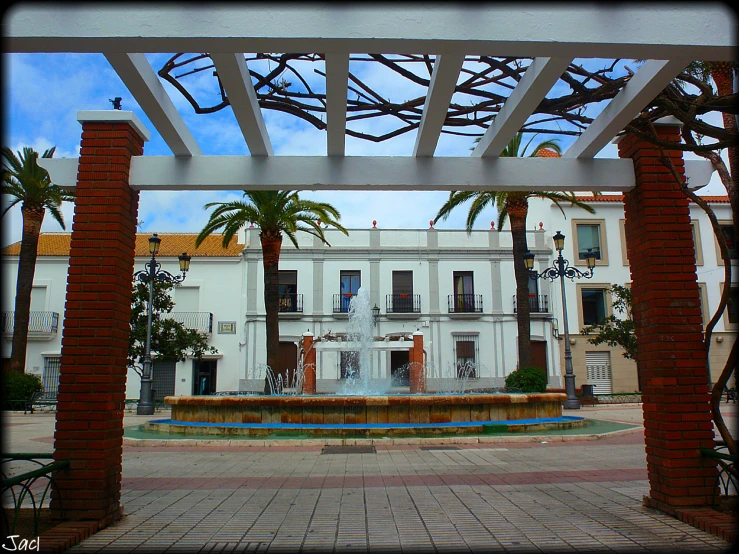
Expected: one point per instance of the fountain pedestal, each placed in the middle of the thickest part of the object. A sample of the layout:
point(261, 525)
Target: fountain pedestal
point(416, 372)
point(309, 364)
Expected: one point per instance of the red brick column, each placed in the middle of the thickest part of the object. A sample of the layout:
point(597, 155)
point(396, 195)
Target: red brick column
point(416, 370)
point(669, 329)
point(92, 384)
point(309, 364)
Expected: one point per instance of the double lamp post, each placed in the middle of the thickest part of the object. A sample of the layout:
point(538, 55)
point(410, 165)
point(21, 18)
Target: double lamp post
point(561, 269)
point(154, 272)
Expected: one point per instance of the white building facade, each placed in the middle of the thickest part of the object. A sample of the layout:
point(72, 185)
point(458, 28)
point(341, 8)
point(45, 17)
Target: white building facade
point(455, 288)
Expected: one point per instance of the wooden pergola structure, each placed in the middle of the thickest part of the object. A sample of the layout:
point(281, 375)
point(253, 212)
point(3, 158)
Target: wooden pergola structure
point(112, 169)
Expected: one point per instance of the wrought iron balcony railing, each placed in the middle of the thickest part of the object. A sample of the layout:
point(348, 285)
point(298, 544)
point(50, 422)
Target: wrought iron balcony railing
point(39, 323)
point(537, 304)
point(342, 301)
point(197, 321)
point(291, 303)
point(403, 303)
point(465, 303)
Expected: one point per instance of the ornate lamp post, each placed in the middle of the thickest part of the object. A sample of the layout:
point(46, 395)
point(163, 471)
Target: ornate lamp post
point(561, 269)
point(154, 272)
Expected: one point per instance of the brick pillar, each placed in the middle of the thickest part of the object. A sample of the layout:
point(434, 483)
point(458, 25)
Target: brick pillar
point(92, 383)
point(669, 329)
point(309, 364)
point(416, 370)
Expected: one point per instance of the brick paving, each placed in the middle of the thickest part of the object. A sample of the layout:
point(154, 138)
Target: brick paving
point(536, 496)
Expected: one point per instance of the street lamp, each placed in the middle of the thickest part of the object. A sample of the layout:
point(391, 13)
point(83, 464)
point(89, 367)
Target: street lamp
point(375, 314)
point(154, 272)
point(561, 268)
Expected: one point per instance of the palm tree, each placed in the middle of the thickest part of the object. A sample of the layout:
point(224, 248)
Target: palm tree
point(514, 205)
point(26, 182)
point(274, 212)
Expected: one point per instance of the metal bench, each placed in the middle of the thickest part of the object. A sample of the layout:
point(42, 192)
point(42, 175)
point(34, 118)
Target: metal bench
point(20, 486)
point(730, 394)
point(726, 481)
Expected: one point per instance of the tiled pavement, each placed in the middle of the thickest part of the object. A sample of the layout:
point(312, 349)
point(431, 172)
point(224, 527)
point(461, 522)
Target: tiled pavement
point(536, 496)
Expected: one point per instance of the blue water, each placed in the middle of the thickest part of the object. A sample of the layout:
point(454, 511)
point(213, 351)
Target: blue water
point(562, 419)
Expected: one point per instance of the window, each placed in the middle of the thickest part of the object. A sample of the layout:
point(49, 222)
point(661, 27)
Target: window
point(695, 228)
point(588, 238)
point(466, 353)
point(593, 305)
point(727, 229)
point(288, 290)
point(589, 234)
point(731, 315)
point(464, 292)
point(349, 364)
point(703, 295)
point(50, 377)
point(349, 283)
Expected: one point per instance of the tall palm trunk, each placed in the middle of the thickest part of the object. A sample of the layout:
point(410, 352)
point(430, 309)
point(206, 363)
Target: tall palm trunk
point(32, 220)
point(517, 209)
point(271, 245)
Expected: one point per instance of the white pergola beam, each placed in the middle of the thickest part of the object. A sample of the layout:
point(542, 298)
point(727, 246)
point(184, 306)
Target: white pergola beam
point(540, 77)
point(337, 82)
point(141, 81)
point(233, 73)
point(646, 83)
point(364, 173)
point(703, 31)
point(441, 88)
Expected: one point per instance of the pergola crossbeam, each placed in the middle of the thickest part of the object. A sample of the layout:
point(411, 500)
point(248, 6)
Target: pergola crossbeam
point(233, 74)
point(145, 86)
point(337, 80)
point(441, 88)
point(536, 82)
point(646, 83)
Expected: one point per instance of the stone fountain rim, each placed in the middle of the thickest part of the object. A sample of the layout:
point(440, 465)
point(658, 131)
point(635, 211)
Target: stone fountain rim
point(370, 400)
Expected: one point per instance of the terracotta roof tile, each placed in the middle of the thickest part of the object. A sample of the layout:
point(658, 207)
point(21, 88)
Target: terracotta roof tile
point(547, 153)
point(173, 244)
point(620, 198)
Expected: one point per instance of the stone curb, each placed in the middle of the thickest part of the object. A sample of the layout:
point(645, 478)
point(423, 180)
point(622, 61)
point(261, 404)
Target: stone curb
point(482, 439)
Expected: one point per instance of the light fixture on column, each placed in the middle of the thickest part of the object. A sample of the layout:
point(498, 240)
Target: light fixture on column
point(154, 272)
point(561, 269)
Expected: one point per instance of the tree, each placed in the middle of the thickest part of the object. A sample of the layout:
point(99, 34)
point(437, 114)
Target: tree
point(514, 205)
point(617, 331)
point(27, 183)
point(274, 213)
point(170, 339)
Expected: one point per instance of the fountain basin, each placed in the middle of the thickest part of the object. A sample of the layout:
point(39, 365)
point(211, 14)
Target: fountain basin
point(367, 415)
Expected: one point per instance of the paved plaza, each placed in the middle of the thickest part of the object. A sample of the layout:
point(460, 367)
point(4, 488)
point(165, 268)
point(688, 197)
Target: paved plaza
point(520, 494)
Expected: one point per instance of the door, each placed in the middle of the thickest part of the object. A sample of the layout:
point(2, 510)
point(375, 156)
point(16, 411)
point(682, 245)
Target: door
point(288, 364)
point(464, 292)
point(402, 291)
point(162, 378)
point(598, 366)
point(399, 360)
point(204, 374)
point(349, 283)
point(539, 354)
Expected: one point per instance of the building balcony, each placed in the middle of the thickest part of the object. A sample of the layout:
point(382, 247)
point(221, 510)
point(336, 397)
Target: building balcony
point(342, 302)
point(41, 325)
point(537, 304)
point(291, 305)
point(465, 305)
point(197, 321)
point(402, 305)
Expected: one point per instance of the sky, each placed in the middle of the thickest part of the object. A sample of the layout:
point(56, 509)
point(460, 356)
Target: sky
point(42, 94)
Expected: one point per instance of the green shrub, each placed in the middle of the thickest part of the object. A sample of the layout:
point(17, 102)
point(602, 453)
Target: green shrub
point(527, 379)
point(19, 386)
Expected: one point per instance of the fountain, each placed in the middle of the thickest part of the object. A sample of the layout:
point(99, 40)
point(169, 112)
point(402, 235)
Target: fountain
point(363, 406)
